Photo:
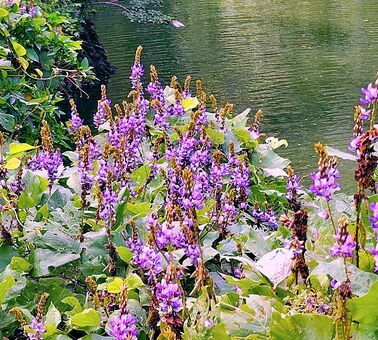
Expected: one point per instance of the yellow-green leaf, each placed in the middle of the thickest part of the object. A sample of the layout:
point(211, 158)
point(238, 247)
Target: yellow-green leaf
point(12, 164)
point(133, 281)
point(125, 254)
point(190, 103)
point(19, 49)
point(87, 318)
point(39, 72)
point(5, 286)
point(23, 62)
point(20, 147)
point(3, 13)
point(115, 286)
point(216, 137)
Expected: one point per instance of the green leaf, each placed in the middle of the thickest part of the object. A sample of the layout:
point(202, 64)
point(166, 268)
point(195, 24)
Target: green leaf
point(301, 327)
point(53, 316)
point(141, 174)
point(5, 286)
point(19, 264)
point(12, 164)
point(19, 49)
point(6, 255)
point(244, 136)
point(87, 318)
point(74, 303)
point(216, 137)
point(15, 148)
point(138, 209)
point(85, 63)
point(7, 121)
point(44, 259)
point(364, 309)
point(3, 13)
point(133, 281)
point(115, 286)
point(125, 254)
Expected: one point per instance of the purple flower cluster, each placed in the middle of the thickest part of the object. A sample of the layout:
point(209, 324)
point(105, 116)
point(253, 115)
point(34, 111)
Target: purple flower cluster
point(268, 217)
point(75, 121)
point(146, 257)
point(170, 234)
point(38, 328)
point(345, 245)
point(370, 94)
point(292, 186)
point(123, 327)
point(108, 204)
point(374, 217)
point(49, 161)
point(169, 296)
point(325, 180)
point(26, 10)
point(101, 114)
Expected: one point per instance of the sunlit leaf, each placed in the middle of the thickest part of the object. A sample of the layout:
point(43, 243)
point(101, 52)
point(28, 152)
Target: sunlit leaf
point(19, 49)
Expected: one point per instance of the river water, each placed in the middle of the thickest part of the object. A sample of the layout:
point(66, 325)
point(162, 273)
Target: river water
point(301, 62)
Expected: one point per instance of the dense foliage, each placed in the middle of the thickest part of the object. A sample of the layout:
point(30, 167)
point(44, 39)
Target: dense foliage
point(177, 219)
point(39, 47)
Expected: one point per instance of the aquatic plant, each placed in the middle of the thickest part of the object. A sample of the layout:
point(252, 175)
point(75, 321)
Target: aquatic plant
point(176, 218)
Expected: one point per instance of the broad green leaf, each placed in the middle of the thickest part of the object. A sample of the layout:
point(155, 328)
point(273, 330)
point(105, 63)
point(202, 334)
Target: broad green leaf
point(74, 303)
point(5, 285)
point(12, 163)
point(19, 49)
point(6, 255)
point(53, 316)
point(44, 259)
point(138, 209)
point(244, 136)
point(115, 286)
point(85, 63)
point(87, 318)
point(15, 148)
point(7, 121)
point(125, 254)
point(141, 174)
point(19, 264)
point(360, 281)
point(3, 13)
point(364, 309)
point(216, 137)
point(133, 281)
point(301, 327)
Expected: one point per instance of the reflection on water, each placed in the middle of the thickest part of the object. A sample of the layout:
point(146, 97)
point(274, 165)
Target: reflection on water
point(302, 62)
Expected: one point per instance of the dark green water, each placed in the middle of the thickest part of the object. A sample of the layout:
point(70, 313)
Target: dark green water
point(302, 62)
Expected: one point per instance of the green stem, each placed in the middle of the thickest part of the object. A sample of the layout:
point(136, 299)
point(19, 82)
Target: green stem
point(331, 217)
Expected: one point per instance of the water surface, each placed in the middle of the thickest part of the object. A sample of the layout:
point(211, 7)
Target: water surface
point(301, 62)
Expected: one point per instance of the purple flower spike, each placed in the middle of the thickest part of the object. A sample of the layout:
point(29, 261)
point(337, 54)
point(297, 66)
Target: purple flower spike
point(169, 296)
point(325, 181)
point(38, 328)
point(345, 244)
point(374, 217)
point(370, 93)
point(123, 327)
point(49, 161)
